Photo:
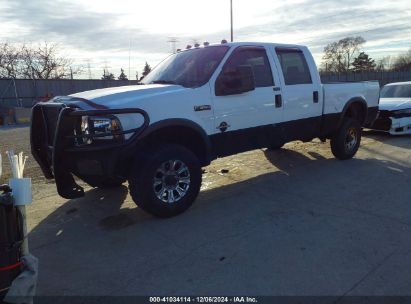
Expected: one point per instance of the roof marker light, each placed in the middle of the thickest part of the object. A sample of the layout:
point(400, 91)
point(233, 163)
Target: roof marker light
point(206, 43)
point(188, 47)
point(223, 41)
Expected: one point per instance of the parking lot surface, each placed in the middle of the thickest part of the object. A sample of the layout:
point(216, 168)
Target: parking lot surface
point(290, 222)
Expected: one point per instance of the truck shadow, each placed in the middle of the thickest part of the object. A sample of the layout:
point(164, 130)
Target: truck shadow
point(105, 226)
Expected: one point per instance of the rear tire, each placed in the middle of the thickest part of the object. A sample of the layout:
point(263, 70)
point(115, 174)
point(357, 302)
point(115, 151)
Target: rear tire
point(166, 181)
point(346, 140)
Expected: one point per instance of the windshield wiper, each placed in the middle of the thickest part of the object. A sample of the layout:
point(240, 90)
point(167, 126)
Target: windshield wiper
point(161, 81)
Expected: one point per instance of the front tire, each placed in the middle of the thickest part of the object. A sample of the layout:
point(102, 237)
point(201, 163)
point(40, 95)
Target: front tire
point(346, 140)
point(166, 180)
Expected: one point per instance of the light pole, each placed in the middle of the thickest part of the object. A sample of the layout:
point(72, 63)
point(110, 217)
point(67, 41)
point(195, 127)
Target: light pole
point(129, 57)
point(231, 13)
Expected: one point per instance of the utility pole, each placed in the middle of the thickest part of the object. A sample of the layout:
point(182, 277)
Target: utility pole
point(129, 57)
point(89, 69)
point(231, 13)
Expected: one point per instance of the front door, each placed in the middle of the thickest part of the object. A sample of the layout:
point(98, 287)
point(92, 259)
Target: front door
point(248, 120)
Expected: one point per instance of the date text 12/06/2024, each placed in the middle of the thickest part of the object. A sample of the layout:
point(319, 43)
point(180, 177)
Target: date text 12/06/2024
point(203, 300)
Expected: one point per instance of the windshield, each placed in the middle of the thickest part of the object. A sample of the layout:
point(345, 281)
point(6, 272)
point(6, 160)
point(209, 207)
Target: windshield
point(191, 68)
point(394, 91)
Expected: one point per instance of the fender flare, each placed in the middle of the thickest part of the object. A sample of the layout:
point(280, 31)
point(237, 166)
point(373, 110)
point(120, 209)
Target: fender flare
point(357, 99)
point(180, 122)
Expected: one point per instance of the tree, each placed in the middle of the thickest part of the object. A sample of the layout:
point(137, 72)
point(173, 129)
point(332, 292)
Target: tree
point(363, 63)
point(35, 62)
point(384, 64)
point(9, 61)
point(147, 69)
point(403, 61)
point(107, 75)
point(44, 62)
point(338, 56)
point(122, 76)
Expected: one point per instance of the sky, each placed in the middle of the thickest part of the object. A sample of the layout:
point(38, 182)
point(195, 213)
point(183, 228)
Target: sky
point(106, 33)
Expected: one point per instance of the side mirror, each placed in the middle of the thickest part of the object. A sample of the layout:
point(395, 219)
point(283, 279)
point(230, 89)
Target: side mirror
point(234, 82)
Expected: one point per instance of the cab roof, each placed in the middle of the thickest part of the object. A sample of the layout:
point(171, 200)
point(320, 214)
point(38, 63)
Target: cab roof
point(263, 43)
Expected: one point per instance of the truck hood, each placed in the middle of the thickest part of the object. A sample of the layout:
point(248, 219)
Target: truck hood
point(117, 97)
point(393, 104)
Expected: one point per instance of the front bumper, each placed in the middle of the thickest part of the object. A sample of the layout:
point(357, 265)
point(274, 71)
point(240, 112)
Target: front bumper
point(394, 124)
point(53, 145)
point(400, 126)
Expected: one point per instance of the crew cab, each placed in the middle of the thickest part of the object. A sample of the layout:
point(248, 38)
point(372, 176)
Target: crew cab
point(195, 106)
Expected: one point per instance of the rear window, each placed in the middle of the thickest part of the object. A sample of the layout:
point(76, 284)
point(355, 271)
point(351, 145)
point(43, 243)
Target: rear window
point(395, 91)
point(294, 66)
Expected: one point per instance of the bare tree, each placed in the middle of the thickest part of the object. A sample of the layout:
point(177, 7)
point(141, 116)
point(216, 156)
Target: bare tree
point(384, 64)
point(37, 62)
point(339, 55)
point(43, 62)
point(403, 61)
point(9, 61)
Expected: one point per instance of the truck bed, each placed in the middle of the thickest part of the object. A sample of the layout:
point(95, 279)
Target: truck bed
point(336, 94)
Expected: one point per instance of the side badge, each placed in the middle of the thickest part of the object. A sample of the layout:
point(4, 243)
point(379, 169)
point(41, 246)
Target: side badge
point(202, 108)
point(223, 126)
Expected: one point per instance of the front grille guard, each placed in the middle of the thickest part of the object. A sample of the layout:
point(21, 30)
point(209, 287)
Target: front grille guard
point(64, 141)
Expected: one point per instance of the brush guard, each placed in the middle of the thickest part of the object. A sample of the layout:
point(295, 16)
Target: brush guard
point(53, 136)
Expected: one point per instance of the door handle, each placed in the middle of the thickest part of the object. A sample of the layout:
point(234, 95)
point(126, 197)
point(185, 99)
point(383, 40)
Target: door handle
point(315, 96)
point(278, 101)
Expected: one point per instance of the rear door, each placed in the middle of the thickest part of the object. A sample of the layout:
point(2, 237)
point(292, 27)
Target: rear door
point(301, 94)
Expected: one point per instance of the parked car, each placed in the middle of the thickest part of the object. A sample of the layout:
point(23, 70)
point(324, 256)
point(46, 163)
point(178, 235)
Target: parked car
point(394, 114)
point(195, 106)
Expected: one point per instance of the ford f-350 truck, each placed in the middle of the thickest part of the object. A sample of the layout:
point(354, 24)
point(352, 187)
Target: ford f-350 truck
point(195, 106)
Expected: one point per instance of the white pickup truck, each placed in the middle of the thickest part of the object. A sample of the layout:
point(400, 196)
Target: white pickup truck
point(195, 106)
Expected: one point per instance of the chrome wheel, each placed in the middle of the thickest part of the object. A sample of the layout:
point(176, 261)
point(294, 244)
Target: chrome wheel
point(171, 181)
point(351, 139)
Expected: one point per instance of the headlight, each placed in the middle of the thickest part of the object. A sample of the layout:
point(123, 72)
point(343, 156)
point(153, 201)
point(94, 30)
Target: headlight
point(97, 128)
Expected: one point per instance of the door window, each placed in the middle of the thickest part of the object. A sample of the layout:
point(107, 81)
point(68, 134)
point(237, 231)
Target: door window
point(254, 57)
point(294, 66)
